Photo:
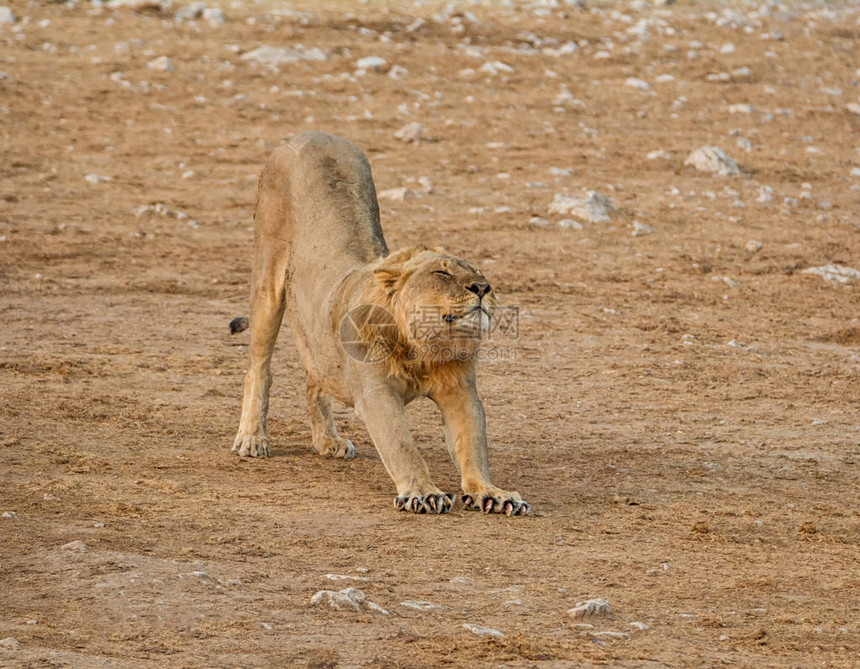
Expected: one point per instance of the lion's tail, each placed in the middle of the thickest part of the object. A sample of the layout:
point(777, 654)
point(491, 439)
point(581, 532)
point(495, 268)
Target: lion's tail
point(238, 325)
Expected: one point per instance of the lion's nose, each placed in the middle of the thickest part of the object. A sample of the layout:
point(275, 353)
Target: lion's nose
point(480, 289)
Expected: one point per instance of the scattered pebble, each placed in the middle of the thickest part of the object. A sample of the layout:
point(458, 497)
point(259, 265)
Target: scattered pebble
point(397, 194)
point(853, 107)
point(6, 15)
point(410, 132)
point(640, 84)
point(426, 185)
point(375, 63)
point(162, 63)
point(590, 607)
point(272, 56)
point(641, 229)
point(96, 179)
point(214, 16)
point(835, 273)
point(495, 67)
point(190, 12)
point(753, 246)
point(421, 605)
point(10, 514)
point(570, 223)
point(10, 643)
point(640, 626)
point(77, 546)
point(611, 635)
point(480, 630)
point(658, 154)
point(594, 207)
point(537, 220)
point(712, 159)
point(346, 599)
point(341, 577)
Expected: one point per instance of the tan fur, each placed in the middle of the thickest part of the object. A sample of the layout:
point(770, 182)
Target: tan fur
point(320, 256)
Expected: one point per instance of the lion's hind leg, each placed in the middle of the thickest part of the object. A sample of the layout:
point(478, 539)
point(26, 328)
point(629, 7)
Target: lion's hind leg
point(326, 440)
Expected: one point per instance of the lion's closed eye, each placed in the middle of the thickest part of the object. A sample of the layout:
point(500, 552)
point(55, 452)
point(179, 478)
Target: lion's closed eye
point(443, 273)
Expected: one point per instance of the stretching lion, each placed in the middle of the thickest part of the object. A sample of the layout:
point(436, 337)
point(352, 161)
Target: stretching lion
point(374, 329)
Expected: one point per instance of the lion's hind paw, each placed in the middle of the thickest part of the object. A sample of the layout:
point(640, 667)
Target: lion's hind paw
point(439, 503)
point(508, 505)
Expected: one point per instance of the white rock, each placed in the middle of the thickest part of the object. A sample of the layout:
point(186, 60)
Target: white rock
point(594, 207)
point(611, 635)
point(835, 273)
point(765, 194)
point(426, 185)
point(214, 15)
point(640, 626)
point(728, 48)
point(397, 194)
point(190, 12)
point(855, 171)
point(570, 223)
point(10, 514)
point(273, 56)
point(641, 229)
point(495, 67)
point(741, 108)
point(664, 78)
point(410, 132)
point(753, 246)
point(853, 107)
point(590, 607)
point(96, 179)
point(398, 72)
point(162, 63)
point(658, 154)
point(349, 598)
point(712, 159)
point(371, 63)
point(10, 643)
point(373, 606)
point(341, 577)
point(77, 546)
point(480, 630)
point(744, 143)
point(421, 605)
point(635, 82)
point(537, 220)
point(6, 15)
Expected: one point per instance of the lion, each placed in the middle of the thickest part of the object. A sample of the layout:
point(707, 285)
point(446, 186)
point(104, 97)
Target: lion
point(359, 318)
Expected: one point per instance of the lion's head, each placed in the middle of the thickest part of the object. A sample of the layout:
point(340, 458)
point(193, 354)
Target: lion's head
point(442, 304)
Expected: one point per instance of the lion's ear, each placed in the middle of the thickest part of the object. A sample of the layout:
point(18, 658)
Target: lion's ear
point(387, 276)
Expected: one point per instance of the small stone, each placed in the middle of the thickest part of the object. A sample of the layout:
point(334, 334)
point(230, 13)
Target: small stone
point(77, 546)
point(853, 107)
point(272, 56)
point(728, 48)
point(96, 179)
point(641, 229)
point(640, 626)
point(10, 643)
point(594, 207)
point(611, 635)
point(702, 527)
point(480, 630)
point(349, 598)
point(590, 607)
point(426, 184)
point(214, 16)
point(410, 132)
point(162, 63)
point(855, 171)
point(6, 15)
point(341, 577)
point(371, 63)
point(373, 606)
point(267, 626)
point(712, 159)
point(640, 84)
point(765, 194)
point(753, 246)
point(10, 514)
point(397, 194)
point(570, 223)
point(398, 72)
point(421, 605)
point(190, 12)
point(664, 78)
point(835, 273)
point(744, 143)
point(537, 220)
point(495, 67)
point(658, 154)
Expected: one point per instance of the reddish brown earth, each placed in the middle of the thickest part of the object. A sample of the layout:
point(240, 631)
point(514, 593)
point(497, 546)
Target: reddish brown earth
point(707, 490)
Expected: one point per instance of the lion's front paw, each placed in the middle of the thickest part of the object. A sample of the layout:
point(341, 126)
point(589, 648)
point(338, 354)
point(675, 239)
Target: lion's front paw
point(433, 503)
point(251, 446)
point(497, 501)
point(336, 447)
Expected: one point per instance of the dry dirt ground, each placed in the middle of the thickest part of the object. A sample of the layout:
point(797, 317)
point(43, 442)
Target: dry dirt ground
point(681, 412)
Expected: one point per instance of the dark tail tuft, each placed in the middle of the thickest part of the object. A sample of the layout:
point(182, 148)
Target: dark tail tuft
point(238, 325)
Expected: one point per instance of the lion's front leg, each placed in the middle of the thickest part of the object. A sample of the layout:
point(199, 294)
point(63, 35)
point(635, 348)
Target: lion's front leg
point(466, 436)
point(383, 414)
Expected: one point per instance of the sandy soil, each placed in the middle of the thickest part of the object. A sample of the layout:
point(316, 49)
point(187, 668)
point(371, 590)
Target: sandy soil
point(681, 412)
